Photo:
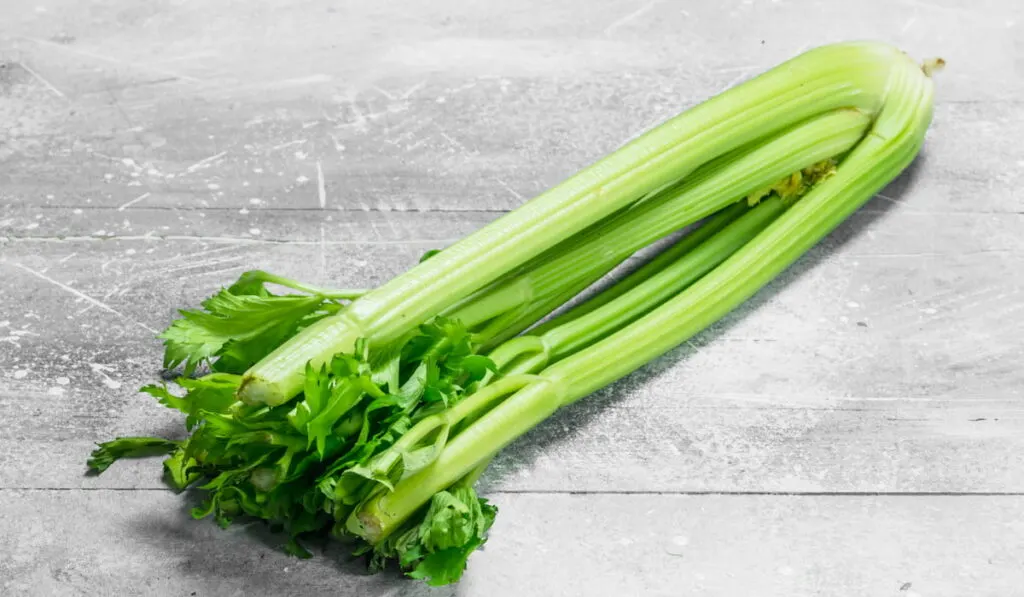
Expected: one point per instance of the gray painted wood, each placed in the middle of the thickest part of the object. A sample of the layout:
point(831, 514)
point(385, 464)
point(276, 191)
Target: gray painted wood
point(151, 153)
point(143, 543)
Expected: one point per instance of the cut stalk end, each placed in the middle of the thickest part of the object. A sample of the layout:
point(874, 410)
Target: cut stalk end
point(933, 65)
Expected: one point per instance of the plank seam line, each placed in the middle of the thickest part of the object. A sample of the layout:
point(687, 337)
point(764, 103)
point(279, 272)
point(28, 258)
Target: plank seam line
point(557, 492)
point(241, 240)
point(442, 210)
point(385, 210)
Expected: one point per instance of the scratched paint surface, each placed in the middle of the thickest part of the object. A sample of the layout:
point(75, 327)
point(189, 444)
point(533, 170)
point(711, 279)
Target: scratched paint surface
point(152, 151)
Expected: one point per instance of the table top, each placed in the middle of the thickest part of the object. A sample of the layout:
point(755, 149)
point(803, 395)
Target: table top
point(853, 430)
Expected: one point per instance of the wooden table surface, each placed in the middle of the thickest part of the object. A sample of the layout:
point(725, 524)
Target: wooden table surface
point(854, 430)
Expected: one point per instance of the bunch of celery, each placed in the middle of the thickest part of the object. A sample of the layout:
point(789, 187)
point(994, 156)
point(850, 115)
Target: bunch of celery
point(369, 415)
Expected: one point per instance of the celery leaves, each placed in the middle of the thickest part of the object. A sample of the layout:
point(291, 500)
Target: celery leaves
point(240, 325)
point(128, 447)
point(304, 466)
point(435, 548)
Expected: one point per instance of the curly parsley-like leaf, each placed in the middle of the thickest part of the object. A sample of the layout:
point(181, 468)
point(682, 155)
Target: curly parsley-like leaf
point(437, 547)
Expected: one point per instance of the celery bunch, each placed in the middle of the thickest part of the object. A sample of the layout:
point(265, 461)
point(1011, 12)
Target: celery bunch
point(369, 415)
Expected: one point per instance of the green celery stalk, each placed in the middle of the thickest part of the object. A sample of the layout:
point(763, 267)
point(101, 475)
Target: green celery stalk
point(670, 255)
point(570, 336)
point(895, 138)
point(851, 76)
point(641, 297)
point(596, 251)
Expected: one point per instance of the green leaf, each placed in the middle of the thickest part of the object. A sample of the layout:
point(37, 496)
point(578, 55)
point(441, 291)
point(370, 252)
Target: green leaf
point(238, 355)
point(205, 509)
point(250, 283)
point(361, 453)
point(444, 567)
point(439, 386)
point(454, 519)
point(128, 447)
point(256, 321)
point(179, 470)
point(165, 397)
point(293, 547)
point(315, 394)
point(386, 468)
point(214, 393)
point(387, 373)
point(436, 548)
point(418, 459)
point(403, 546)
point(413, 388)
point(222, 426)
point(475, 367)
point(454, 527)
point(356, 482)
point(307, 464)
point(236, 499)
point(429, 254)
point(343, 398)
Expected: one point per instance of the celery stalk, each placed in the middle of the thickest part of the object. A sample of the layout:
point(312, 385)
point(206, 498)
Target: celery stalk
point(389, 435)
point(895, 138)
point(589, 255)
point(854, 75)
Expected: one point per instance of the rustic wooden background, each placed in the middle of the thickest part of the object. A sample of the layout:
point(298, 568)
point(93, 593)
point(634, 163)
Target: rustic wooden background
point(855, 430)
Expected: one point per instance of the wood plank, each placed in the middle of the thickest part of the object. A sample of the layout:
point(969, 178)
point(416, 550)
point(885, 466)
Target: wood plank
point(468, 118)
point(881, 229)
point(521, 39)
point(413, 165)
point(143, 543)
point(254, 225)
